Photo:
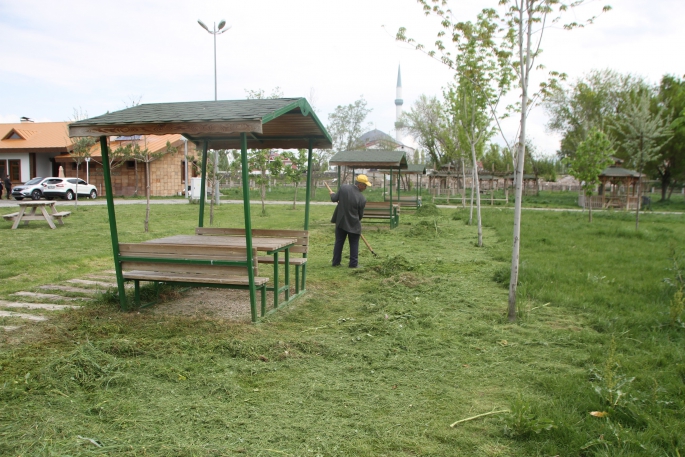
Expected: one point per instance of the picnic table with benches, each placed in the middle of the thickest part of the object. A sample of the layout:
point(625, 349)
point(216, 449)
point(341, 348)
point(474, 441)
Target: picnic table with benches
point(300, 247)
point(47, 213)
point(409, 201)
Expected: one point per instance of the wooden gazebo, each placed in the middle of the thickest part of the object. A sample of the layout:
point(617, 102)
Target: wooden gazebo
point(617, 176)
point(226, 124)
point(390, 161)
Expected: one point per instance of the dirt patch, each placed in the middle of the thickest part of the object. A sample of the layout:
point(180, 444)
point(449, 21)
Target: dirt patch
point(229, 304)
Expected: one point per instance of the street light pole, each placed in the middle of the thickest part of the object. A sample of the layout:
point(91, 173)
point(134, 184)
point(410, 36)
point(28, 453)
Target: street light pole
point(215, 32)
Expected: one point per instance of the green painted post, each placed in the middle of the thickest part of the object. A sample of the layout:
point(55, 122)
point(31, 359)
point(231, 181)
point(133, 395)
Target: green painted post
point(123, 303)
point(306, 208)
point(309, 186)
point(203, 184)
point(339, 176)
point(248, 221)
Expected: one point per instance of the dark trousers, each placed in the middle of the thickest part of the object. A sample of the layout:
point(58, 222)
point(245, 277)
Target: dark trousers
point(340, 236)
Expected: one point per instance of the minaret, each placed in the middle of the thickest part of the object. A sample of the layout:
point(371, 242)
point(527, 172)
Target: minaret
point(398, 107)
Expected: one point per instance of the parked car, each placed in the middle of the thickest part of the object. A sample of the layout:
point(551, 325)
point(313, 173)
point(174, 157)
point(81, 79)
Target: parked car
point(32, 189)
point(66, 188)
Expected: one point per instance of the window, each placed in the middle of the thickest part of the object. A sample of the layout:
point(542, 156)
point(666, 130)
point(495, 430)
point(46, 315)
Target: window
point(130, 164)
point(15, 170)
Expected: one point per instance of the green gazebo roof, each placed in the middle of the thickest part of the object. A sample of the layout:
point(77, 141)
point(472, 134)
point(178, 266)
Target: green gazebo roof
point(270, 123)
point(371, 158)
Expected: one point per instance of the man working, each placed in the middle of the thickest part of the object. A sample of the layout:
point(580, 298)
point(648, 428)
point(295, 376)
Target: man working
point(347, 218)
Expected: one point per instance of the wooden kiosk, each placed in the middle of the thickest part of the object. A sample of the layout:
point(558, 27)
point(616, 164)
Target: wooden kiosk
point(210, 261)
point(386, 161)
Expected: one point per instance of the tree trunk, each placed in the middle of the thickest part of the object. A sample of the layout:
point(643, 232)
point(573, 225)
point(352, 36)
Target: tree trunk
point(471, 210)
point(477, 184)
point(588, 201)
point(295, 198)
point(135, 168)
point(463, 184)
point(637, 206)
point(665, 181)
point(147, 195)
point(520, 160)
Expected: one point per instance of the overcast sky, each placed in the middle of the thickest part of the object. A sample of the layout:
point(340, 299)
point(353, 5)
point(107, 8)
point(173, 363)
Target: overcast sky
point(98, 56)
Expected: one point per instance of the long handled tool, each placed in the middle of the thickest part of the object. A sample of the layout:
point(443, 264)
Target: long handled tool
point(363, 238)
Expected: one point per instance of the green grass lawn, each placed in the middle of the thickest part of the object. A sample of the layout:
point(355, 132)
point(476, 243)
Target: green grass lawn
point(371, 362)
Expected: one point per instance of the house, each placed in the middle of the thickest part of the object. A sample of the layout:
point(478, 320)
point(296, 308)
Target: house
point(167, 161)
point(28, 149)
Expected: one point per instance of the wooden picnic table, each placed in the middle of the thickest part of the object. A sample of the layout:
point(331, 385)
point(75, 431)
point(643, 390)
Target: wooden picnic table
point(269, 245)
point(47, 213)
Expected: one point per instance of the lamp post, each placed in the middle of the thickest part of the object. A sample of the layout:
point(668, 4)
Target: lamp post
point(87, 169)
point(214, 32)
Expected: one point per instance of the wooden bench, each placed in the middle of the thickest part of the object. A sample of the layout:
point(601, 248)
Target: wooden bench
point(190, 265)
point(382, 211)
point(300, 247)
point(10, 216)
point(406, 202)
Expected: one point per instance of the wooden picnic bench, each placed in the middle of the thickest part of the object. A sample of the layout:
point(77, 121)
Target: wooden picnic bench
point(28, 212)
point(382, 211)
point(190, 265)
point(301, 246)
point(409, 201)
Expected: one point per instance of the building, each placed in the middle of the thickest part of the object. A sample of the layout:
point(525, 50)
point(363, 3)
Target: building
point(28, 149)
point(167, 160)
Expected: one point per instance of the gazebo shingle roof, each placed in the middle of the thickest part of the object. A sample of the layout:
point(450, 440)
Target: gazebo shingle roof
point(371, 158)
point(270, 123)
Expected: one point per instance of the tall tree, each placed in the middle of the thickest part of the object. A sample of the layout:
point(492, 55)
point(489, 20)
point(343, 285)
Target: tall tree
point(589, 103)
point(591, 157)
point(347, 123)
point(426, 122)
point(522, 24)
point(669, 166)
point(642, 134)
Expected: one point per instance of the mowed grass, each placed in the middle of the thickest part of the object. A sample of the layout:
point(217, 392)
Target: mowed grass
point(371, 362)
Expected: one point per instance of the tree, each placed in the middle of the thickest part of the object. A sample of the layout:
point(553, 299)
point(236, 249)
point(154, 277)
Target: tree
point(426, 122)
point(591, 157)
point(669, 166)
point(347, 123)
point(80, 148)
point(263, 161)
point(144, 155)
point(296, 172)
point(591, 102)
point(641, 134)
point(522, 24)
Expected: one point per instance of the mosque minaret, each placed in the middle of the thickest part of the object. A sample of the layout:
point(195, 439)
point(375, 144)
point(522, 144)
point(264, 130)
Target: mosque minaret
point(398, 107)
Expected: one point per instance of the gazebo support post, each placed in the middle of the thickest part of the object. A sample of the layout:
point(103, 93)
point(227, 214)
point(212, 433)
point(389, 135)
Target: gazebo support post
point(306, 210)
point(248, 221)
point(203, 184)
point(339, 166)
point(123, 303)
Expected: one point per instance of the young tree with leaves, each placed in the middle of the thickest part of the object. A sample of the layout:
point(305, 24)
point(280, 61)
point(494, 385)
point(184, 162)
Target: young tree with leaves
point(145, 156)
point(80, 148)
point(522, 24)
point(591, 157)
point(295, 173)
point(641, 134)
point(347, 123)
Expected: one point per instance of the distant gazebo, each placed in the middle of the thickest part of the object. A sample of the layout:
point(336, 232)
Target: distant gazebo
point(623, 184)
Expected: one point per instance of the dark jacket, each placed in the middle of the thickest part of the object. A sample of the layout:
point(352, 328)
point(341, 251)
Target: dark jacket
point(350, 209)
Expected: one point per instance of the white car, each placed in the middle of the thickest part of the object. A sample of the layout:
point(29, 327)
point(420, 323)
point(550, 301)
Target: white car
point(32, 189)
point(66, 188)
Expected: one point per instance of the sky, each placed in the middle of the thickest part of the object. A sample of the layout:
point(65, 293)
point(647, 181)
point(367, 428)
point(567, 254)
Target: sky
point(85, 56)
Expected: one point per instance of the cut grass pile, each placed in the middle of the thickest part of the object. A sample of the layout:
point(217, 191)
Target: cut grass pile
point(370, 362)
